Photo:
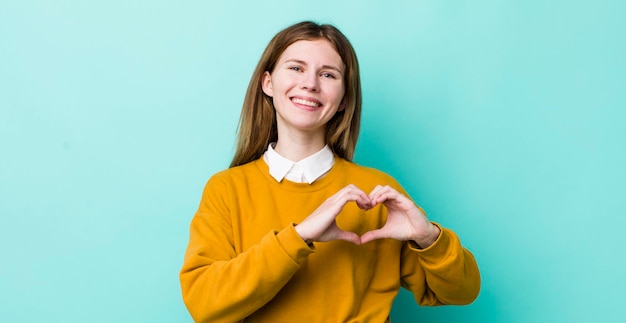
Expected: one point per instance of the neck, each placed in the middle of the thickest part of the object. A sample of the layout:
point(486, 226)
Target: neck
point(296, 148)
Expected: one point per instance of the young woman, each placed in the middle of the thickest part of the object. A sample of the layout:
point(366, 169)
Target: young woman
point(294, 229)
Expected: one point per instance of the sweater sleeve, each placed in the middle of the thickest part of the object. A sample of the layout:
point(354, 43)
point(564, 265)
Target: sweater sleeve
point(445, 273)
point(221, 285)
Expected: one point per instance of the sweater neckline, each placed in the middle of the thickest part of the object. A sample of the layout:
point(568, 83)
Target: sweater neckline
point(319, 184)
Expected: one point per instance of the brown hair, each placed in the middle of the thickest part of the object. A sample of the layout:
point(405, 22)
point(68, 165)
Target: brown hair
point(257, 124)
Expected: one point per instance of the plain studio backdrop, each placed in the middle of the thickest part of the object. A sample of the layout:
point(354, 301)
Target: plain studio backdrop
point(504, 119)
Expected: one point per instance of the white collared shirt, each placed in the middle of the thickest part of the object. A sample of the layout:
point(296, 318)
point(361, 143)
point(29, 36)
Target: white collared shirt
point(305, 171)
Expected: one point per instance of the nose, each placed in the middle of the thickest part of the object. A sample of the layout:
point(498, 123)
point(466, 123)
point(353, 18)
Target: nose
point(310, 82)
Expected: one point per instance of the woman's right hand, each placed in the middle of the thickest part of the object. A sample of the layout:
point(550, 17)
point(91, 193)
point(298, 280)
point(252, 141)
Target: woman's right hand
point(321, 225)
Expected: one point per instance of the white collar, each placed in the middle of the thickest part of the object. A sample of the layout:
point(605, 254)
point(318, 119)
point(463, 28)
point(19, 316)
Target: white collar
point(305, 171)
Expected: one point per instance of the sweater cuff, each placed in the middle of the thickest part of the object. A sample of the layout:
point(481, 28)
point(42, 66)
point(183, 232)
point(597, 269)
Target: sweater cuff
point(440, 249)
point(293, 244)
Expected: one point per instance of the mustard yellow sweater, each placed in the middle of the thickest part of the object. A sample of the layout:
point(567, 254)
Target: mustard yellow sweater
point(245, 261)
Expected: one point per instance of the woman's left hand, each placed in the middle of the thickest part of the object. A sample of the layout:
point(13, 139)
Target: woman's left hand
point(405, 221)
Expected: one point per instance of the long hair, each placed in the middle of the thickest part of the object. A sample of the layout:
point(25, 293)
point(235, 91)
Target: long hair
point(257, 124)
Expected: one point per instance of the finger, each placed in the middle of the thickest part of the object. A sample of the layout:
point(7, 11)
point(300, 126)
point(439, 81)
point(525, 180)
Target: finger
point(373, 235)
point(390, 197)
point(356, 196)
point(375, 191)
point(352, 187)
point(346, 195)
point(349, 190)
point(364, 202)
point(383, 194)
point(353, 193)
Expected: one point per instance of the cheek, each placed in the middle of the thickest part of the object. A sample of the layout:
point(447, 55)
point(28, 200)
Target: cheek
point(340, 94)
point(283, 85)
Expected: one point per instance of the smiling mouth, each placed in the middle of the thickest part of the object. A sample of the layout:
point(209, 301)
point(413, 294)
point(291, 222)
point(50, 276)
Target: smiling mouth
point(312, 104)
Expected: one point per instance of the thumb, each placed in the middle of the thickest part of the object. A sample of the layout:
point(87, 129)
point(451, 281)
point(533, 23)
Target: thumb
point(349, 236)
point(373, 235)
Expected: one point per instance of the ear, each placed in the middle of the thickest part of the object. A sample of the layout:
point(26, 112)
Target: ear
point(266, 84)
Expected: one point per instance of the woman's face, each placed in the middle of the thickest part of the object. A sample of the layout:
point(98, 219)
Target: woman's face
point(306, 86)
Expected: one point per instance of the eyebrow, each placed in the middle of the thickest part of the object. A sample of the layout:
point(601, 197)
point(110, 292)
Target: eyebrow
point(294, 60)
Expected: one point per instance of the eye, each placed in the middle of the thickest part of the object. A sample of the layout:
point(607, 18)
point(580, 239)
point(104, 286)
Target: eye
point(329, 75)
point(295, 68)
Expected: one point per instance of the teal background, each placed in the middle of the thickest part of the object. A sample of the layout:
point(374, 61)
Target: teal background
point(503, 119)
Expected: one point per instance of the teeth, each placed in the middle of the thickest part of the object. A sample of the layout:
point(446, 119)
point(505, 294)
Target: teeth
point(305, 102)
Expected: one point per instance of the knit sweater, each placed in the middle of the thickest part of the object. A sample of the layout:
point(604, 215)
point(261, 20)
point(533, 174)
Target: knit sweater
point(246, 262)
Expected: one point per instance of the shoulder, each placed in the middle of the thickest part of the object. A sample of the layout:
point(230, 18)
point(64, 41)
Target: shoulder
point(235, 175)
point(353, 167)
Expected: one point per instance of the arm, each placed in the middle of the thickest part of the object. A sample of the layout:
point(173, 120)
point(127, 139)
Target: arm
point(435, 267)
point(444, 273)
point(220, 285)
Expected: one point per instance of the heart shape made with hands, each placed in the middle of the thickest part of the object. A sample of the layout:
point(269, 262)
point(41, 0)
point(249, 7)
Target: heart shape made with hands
point(405, 220)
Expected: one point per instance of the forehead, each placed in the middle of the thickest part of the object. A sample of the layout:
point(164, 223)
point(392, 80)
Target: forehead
point(319, 51)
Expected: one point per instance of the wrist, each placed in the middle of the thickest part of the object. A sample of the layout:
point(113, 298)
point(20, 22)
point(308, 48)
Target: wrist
point(302, 235)
point(430, 238)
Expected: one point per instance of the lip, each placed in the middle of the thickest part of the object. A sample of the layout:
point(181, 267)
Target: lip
point(307, 103)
